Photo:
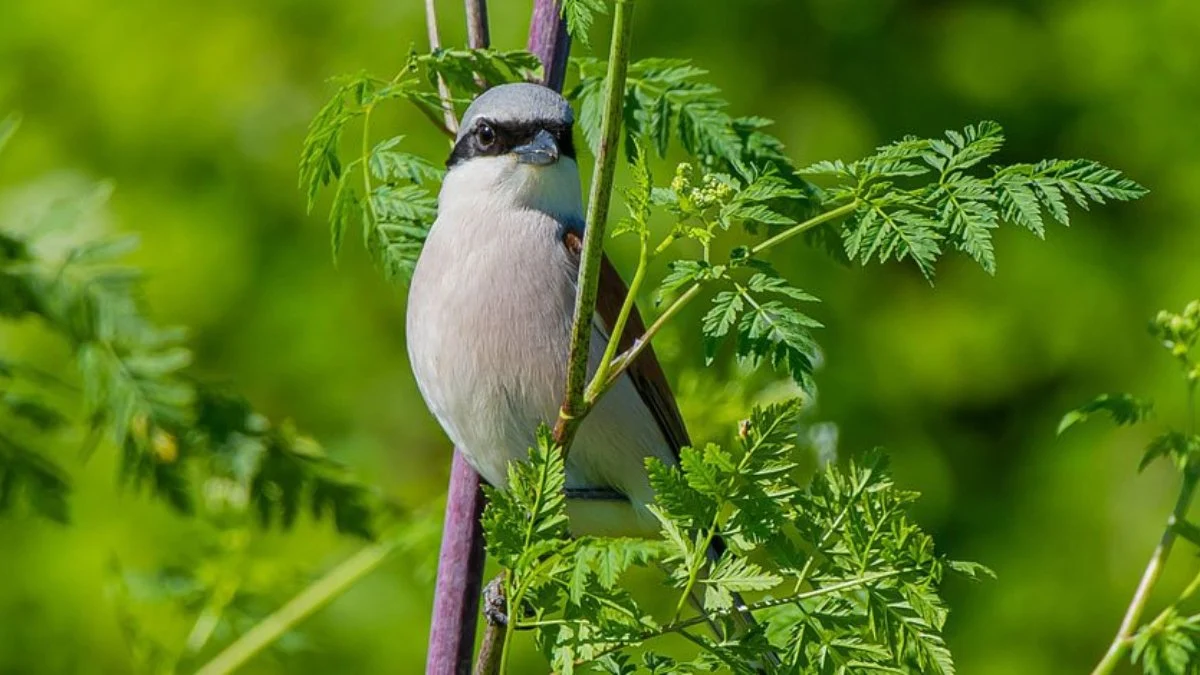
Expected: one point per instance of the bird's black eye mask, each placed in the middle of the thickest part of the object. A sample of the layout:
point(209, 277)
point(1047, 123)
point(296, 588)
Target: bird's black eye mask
point(493, 139)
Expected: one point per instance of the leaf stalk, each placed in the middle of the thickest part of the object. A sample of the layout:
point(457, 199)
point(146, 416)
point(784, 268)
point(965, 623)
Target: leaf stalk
point(622, 362)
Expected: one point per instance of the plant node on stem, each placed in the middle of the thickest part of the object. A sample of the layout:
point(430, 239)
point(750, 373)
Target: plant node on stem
point(606, 378)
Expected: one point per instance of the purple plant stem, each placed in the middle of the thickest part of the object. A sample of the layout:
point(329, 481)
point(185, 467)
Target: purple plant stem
point(460, 561)
point(459, 576)
point(548, 39)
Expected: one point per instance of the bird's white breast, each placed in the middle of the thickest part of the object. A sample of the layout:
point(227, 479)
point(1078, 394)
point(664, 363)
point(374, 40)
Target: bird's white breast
point(489, 318)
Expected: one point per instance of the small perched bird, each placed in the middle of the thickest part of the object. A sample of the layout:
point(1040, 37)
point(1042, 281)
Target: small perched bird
point(490, 311)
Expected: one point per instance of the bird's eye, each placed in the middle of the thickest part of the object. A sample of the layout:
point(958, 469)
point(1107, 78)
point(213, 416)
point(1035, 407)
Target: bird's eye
point(486, 135)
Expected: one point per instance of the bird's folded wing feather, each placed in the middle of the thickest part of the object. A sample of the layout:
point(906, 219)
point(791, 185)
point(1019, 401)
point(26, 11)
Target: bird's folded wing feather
point(645, 372)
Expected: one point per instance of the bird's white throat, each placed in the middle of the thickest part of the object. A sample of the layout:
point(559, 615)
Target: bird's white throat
point(489, 184)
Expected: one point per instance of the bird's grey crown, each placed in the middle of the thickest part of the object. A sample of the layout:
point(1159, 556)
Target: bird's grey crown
point(517, 102)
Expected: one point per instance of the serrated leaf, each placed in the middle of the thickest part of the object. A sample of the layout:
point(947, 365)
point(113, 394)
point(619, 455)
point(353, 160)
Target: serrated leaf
point(972, 570)
point(1179, 447)
point(718, 321)
point(388, 165)
point(1124, 409)
point(462, 68)
point(680, 273)
point(876, 231)
point(345, 206)
point(580, 15)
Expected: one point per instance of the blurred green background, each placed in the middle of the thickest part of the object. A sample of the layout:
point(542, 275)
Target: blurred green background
point(196, 110)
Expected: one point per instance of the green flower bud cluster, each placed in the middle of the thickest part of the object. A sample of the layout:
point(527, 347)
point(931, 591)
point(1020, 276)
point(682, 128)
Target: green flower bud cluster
point(710, 191)
point(1178, 333)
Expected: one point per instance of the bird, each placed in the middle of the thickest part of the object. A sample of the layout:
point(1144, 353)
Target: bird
point(490, 309)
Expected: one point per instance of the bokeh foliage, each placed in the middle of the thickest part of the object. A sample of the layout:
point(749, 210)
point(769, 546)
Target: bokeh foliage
point(196, 111)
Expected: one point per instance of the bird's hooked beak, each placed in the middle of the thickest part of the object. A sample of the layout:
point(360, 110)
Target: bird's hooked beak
point(541, 151)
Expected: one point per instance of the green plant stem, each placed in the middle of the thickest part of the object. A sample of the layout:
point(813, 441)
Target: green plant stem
point(298, 608)
point(1166, 614)
point(435, 43)
point(1191, 405)
point(1122, 642)
point(366, 163)
point(573, 407)
point(627, 357)
point(509, 603)
point(618, 329)
point(697, 565)
point(210, 618)
point(819, 219)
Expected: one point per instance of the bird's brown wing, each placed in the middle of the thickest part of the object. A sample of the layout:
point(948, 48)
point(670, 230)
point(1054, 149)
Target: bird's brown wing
point(645, 372)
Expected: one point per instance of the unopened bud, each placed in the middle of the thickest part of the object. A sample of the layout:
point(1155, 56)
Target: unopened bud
point(139, 426)
point(744, 429)
point(164, 446)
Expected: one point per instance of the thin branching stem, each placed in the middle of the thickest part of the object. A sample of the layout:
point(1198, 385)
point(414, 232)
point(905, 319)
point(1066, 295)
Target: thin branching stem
point(1173, 608)
point(618, 329)
point(1129, 624)
point(440, 125)
point(820, 219)
point(435, 43)
point(573, 407)
point(506, 639)
point(622, 362)
point(366, 165)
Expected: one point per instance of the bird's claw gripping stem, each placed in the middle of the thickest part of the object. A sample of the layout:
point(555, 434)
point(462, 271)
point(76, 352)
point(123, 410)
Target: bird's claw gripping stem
point(495, 605)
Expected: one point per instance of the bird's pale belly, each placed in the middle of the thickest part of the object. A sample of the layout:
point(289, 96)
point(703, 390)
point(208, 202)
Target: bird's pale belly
point(491, 387)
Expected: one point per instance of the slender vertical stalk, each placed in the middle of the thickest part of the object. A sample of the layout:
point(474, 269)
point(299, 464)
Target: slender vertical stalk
point(573, 407)
point(1129, 624)
point(478, 35)
point(459, 576)
point(461, 558)
point(435, 43)
point(493, 650)
point(549, 40)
